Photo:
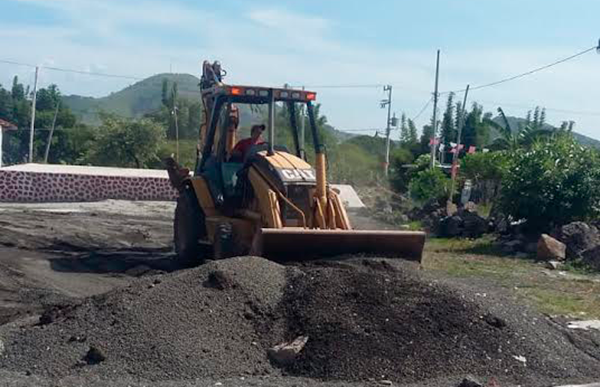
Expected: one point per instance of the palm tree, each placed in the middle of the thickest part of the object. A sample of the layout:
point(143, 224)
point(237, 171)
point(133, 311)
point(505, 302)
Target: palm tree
point(524, 136)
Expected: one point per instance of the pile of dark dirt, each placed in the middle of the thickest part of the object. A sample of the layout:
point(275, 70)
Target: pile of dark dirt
point(203, 322)
point(376, 320)
point(364, 318)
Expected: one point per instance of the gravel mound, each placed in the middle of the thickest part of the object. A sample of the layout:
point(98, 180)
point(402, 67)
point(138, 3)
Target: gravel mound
point(373, 319)
point(365, 319)
point(203, 322)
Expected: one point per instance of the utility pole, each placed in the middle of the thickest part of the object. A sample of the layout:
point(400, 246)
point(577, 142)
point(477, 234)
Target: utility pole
point(176, 133)
point(51, 133)
point(32, 126)
point(302, 129)
point(461, 123)
point(387, 102)
point(435, 102)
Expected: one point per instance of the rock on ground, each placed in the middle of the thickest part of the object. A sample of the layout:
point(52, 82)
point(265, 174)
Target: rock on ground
point(549, 248)
point(579, 237)
point(591, 258)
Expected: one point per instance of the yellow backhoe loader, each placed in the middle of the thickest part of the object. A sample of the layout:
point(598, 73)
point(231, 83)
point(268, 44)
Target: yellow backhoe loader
point(271, 202)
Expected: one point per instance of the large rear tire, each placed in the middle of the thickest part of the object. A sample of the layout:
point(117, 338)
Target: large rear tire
point(188, 228)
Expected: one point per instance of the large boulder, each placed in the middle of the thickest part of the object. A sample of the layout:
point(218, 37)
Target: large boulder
point(549, 249)
point(474, 225)
point(591, 257)
point(579, 238)
point(450, 226)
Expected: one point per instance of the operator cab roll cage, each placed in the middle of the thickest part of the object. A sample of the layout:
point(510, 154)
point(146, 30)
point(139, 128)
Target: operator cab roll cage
point(223, 95)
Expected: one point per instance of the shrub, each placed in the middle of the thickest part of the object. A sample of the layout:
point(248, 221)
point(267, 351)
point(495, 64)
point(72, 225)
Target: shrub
point(126, 143)
point(484, 166)
point(486, 170)
point(400, 174)
point(429, 184)
point(552, 183)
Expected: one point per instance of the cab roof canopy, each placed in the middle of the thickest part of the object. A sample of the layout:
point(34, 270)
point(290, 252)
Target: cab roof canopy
point(259, 95)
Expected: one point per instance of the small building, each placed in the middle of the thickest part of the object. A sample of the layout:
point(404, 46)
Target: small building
point(4, 125)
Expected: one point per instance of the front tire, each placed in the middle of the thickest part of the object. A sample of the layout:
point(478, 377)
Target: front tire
point(188, 228)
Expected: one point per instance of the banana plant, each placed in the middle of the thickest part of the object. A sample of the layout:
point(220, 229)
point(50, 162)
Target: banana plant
point(522, 137)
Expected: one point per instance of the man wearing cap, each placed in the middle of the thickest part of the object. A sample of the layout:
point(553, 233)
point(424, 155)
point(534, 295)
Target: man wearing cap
point(243, 146)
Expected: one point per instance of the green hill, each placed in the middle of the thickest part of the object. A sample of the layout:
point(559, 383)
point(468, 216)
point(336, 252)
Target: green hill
point(139, 99)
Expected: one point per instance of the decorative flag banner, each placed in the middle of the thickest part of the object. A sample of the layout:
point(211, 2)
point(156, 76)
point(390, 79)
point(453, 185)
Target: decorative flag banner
point(471, 149)
point(434, 141)
point(455, 148)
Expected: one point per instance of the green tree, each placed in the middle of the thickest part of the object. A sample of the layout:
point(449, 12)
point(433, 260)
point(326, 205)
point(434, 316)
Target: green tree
point(412, 133)
point(426, 138)
point(429, 184)
point(486, 171)
point(6, 105)
point(70, 145)
point(126, 143)
point(552, 183)
point(400, 169)
point(448, 129)
point(404, 131)
point(476, 131)
point(17, 91)
point(567, 126)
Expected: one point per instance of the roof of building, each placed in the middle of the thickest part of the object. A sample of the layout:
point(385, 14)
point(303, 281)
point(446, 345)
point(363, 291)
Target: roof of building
point(7, 125)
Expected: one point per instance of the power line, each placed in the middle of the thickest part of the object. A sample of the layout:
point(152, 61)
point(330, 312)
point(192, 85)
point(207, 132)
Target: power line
point(16, 63)
point(342, 86)
point(360, 130)
point(52, 68)
point(422, 109)
point(92, 73)
point(530, 72)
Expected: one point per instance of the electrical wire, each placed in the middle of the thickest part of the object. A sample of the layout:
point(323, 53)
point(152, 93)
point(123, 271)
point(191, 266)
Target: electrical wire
point(349, 86)
point(422, 109)
point(91, 73)
point(15, 63)
point(530, 72)
point(52, 68)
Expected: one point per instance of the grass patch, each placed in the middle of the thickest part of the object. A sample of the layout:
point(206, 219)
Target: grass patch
point(576, 294)
point(415, 225)
point(484, 245)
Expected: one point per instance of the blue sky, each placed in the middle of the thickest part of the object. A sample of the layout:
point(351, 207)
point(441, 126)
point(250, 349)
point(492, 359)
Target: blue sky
point(323, 42)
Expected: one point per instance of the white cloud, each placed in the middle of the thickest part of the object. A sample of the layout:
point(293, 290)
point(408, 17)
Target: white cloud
point(287, 21)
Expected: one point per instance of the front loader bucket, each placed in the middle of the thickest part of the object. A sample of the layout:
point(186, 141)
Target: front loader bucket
point(305, 244)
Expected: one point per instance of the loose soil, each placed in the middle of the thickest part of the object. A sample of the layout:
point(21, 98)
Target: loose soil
point(367, 319)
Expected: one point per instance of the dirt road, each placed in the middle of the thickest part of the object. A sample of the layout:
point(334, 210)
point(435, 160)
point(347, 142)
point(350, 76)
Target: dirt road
point(369, 320)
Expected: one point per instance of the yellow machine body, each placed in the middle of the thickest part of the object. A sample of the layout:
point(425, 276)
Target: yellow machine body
point(273, 203)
